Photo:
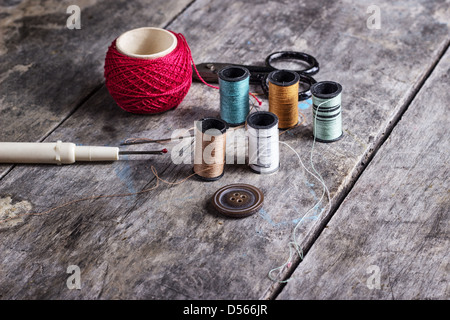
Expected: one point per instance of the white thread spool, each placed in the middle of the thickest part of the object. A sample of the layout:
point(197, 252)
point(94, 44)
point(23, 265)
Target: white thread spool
point(146, 43)
point(263, 147)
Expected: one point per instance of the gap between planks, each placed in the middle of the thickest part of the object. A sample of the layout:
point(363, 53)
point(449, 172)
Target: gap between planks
point(89, 95)
point(361, 167)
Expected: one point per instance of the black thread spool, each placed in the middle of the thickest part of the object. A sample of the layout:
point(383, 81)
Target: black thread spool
point(210, 137)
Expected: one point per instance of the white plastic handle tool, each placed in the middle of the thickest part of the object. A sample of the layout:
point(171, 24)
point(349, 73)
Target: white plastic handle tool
point(54, 153)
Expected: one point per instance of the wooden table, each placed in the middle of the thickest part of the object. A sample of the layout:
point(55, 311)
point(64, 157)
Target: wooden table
point(385, 234)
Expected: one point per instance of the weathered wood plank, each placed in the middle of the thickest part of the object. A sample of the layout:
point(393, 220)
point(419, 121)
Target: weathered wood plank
point(47, 70)
point(395, 220)
point(168, 243)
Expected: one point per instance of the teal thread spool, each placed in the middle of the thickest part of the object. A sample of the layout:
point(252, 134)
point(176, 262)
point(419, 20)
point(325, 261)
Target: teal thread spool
point(234, 84)
point(327, 115)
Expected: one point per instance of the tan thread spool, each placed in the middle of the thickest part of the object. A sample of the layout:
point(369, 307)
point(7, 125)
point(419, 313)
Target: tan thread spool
point(210, 148)
point(283, 97)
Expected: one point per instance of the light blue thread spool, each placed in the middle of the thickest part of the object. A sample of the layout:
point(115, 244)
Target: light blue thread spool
point(327, 115)
point(234, 84)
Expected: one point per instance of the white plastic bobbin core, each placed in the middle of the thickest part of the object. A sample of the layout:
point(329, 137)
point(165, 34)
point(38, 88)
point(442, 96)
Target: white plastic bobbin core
point(146, 43)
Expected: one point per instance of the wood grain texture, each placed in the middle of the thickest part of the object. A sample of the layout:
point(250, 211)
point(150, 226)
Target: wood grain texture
point(47, 70)
point(169, 243)
point(395, 218)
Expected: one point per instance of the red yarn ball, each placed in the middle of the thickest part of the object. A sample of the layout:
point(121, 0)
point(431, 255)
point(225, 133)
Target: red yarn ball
point(149, 85)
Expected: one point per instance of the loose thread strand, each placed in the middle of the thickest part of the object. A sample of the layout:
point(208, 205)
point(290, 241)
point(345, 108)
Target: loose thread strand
point(294, 245)
point(121, 195)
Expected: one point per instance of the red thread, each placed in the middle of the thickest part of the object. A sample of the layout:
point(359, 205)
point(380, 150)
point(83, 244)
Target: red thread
point(151, 85)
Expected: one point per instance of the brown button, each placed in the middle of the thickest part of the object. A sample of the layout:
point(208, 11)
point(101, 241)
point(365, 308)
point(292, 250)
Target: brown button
point(238, 200)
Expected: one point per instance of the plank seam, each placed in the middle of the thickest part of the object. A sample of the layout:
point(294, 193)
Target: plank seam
point(89, 95)
point(360, 168)
point(63, 120)
point(78, 106)
point(179, 14)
